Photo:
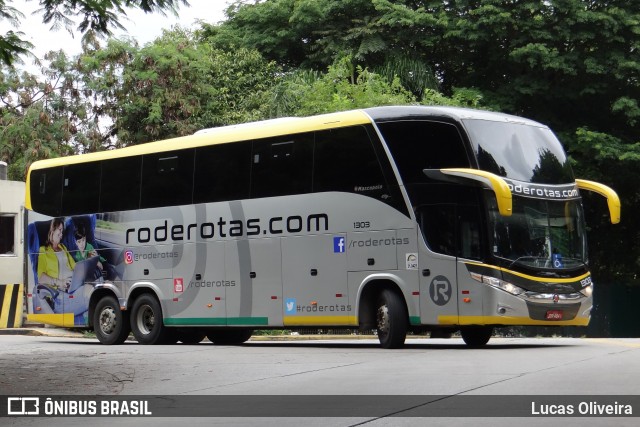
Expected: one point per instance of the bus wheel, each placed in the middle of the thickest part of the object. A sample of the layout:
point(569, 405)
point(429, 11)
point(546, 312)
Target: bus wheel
point(391, 320)
point(190, 336)
point(476, 336)
point(110, 324)
point(146, 321)
point(230, 336)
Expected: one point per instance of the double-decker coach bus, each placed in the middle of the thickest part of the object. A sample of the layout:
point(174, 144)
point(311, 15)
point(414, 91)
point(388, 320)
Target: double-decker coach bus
point(392, 218)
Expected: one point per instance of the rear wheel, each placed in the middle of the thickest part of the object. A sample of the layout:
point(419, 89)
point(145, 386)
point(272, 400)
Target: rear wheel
point(190, 336)
point(476, 336)
point(110, 324)
point(230, 336)
point(146, 321)
point(391, 320)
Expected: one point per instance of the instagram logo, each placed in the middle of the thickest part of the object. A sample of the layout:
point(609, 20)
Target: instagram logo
point(128, 257)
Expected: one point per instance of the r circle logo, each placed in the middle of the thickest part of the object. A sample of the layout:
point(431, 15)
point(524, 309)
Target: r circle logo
point(440, 290)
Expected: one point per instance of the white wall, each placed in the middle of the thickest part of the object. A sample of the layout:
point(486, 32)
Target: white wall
point(11, 202)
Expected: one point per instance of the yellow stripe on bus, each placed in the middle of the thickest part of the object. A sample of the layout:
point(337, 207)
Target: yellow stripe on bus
point(320, 320)
point(534, 278)
point(65, 319)
point(506, 320)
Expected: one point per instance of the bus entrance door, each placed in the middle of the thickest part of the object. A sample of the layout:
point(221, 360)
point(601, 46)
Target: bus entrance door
point(438, 278)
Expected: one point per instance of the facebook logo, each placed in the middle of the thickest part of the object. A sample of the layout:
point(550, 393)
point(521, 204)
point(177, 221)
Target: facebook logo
point(339, 246)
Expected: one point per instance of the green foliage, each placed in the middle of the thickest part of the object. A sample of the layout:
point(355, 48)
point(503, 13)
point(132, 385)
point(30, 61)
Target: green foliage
point(343, 87)
point(175, 86)
point(43, 117)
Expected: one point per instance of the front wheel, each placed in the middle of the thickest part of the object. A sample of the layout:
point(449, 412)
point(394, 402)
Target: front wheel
point(476, 336)
point(391, 320)
point(146, 321)
point(110, 324)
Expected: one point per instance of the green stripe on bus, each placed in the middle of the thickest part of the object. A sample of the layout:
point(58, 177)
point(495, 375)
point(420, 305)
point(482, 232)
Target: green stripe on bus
point(414, 320)
point(217, 321)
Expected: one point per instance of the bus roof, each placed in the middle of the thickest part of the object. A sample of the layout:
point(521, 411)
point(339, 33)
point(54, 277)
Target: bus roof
point(381, 114)
point(284, 126)
point(221, 135)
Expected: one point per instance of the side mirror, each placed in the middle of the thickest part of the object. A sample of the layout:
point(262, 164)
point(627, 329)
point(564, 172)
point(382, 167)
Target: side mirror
point(613, 201)
point(487, 179)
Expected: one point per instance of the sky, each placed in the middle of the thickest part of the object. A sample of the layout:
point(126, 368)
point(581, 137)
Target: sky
point(143, 27)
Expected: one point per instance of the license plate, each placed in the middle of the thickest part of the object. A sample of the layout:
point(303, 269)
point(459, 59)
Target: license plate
point(554, 315)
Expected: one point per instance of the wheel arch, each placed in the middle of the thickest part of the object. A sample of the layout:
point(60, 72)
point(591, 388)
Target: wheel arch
point(368, 295)
point(145, 288)
point(97, 295)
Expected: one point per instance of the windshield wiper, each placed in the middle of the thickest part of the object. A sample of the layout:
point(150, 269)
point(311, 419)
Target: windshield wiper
point(548, 264)
point(522, 259)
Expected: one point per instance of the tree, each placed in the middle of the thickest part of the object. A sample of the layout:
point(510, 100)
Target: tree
point(342, 87)
point(97, 18)
point(312, 35)
point(44, 116)
point(174, 86)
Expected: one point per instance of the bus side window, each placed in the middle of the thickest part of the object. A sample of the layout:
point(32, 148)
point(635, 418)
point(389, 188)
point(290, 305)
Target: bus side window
point(439, 227)
point(167, 179)
point(81, 188)
point(450, 218)
point(469, 220)
point(418, 145)
point(120, 184)
point(46, 190)
point(222, 172)
point(281, 166)
point(345, 160)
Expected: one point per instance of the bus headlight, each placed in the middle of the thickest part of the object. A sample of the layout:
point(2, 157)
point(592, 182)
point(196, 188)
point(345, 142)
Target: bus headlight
point(587, 291)
point(497, 283)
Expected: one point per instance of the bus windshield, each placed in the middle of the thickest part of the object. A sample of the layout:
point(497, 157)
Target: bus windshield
point(519, 151)
point(545, 234)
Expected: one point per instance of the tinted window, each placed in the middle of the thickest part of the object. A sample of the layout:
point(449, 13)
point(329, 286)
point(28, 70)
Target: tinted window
point(418, 145)
point(81, 188)
point(518, 151)
point(46, 190)
point(345, 160)
point(120, 187)
point(282, 166)
point(222, 172)
point(450, 219)
point(167, 179)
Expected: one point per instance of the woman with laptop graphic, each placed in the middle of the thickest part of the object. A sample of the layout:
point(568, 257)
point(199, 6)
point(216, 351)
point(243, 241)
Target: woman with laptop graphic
point(61, 278)
point(55, 263)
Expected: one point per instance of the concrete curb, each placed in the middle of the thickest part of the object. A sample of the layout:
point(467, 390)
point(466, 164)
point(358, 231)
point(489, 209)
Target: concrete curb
point(43, 332)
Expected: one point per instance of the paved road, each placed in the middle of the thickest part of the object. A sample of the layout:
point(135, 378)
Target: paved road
point(430, 367)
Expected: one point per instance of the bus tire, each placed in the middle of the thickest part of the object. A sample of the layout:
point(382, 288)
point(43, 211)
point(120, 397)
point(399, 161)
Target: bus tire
point(190, 336)
point(391, 319)
point(230, 336)
point(110, 324)
point(476, 336)
point(146, 321)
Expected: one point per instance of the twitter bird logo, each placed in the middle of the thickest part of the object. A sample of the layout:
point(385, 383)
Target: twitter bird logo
point(290, 306)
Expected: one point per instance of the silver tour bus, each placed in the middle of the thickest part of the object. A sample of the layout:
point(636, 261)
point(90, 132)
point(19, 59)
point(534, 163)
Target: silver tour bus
point(394, 219)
